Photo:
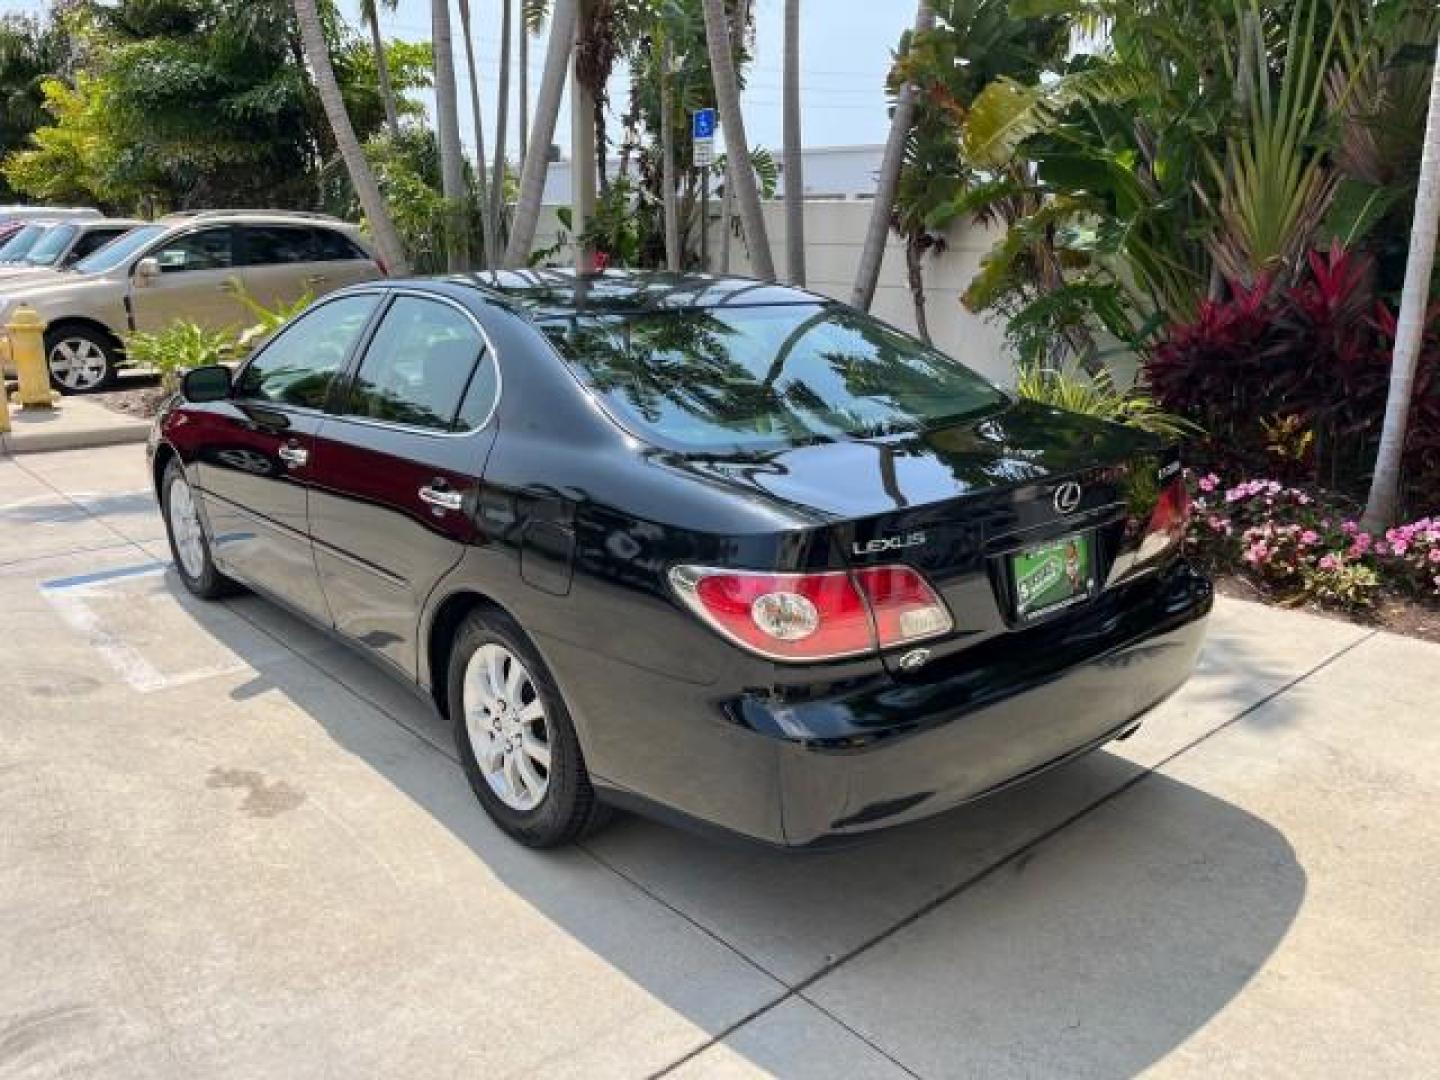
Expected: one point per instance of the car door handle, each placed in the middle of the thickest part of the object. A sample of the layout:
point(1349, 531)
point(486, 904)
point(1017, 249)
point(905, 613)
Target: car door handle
point(293, 455)
point(442, 498)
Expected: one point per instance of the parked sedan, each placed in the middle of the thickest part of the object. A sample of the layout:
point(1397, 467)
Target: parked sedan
point(720, 550)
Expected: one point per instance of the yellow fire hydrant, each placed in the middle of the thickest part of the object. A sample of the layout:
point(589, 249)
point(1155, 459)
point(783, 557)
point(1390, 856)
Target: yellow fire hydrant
point(27, 350)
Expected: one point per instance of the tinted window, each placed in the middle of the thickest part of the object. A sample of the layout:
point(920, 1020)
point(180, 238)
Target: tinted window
point(268, 245)
point(331, 246)
point(93, 240)
point(417, 366)
point(480, 396)
point(298, 366)
point(51, 245)
point(766, 376)
point(112, 255)
point(208, 249)
point(19, 245)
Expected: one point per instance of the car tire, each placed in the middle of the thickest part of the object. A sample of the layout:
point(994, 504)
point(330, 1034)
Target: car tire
point(189, 545)
point(493, 731)
point(80, 360)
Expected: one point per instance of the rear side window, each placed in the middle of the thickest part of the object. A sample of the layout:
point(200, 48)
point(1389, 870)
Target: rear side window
point(272, 245)
point(208, 249)
point(331, 246)
point(93, 240)
point(299, 365)
point(417, 366)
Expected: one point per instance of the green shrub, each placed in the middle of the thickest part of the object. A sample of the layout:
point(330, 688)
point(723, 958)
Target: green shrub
point(1096, 395)
point(178, 348)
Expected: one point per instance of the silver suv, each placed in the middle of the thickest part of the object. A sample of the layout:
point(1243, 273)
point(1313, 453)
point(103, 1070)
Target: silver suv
point(185, 266)
point(61, 246)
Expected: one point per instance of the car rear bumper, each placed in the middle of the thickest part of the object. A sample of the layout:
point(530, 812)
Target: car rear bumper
point(895, 750)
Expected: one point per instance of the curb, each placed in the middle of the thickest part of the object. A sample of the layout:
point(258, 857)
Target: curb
point(39, 442)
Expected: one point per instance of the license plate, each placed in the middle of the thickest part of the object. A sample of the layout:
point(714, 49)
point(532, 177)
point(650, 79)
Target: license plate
point(1053, 576)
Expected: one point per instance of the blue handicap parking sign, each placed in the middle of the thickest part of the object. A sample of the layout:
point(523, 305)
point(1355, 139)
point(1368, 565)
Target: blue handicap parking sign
point(703, 125)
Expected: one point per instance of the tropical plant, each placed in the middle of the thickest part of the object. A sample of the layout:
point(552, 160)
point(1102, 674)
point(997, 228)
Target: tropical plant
point(447, 125)
point(179, 347)
point(30, 52)
point(488, 221)
point(1410, 329)
point(1097, 396)
point(317, 52)
point(370, 16)
point(727, 97)
point(794, 143)
point(547, 109)
point(887, 182)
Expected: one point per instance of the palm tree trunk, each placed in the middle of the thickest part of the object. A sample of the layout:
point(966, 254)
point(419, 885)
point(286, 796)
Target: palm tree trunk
point(868, 272)
point(794, 176)
point(524, 88)
point(502, 124)
point(916, 275)
point(1384, 498)
point(667, 150)
point(371, 15)
point(447, 120)
point(387, 240)
point(487, 224)
point(547, 110)
point(742, 176)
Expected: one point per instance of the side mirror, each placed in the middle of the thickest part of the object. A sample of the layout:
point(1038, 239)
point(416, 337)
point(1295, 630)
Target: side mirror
point(211, 383)
point(146, 269)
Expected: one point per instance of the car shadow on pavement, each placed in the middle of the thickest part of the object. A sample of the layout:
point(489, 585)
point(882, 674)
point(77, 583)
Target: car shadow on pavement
point(1087, 923)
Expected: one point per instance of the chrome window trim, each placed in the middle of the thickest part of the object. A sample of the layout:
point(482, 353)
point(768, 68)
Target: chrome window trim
point(413, 429)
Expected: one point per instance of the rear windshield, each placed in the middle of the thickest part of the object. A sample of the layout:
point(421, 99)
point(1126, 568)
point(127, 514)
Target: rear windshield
point(119, 249)
point(752, 378)
point(52, 245)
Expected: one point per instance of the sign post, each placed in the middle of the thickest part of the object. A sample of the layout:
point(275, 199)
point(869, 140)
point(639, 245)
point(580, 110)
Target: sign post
point(702, 156)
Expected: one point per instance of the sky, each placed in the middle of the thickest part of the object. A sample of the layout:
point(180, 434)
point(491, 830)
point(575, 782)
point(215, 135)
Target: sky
point(845, 50)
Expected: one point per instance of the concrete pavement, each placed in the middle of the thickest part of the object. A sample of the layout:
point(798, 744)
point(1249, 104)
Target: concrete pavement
point(231, 848)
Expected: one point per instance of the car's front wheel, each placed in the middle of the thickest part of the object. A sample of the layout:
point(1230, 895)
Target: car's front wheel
point(188, 543)
point(515, 736)
point(81, 360)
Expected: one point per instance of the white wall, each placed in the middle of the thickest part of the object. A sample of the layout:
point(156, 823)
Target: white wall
point(834, 235)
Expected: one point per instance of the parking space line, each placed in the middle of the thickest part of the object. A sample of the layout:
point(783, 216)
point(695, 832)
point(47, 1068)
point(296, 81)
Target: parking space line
point(1024, 850)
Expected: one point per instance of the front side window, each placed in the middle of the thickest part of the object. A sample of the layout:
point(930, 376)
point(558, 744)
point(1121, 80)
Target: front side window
point(272, 245)
point(765, 377)
point(208, 249)
point(126, 247)
point(51, 245)
point(299, 365)
point(417, 367)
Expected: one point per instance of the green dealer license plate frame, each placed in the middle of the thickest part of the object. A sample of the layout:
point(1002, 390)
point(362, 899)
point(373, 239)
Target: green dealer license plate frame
point(1051, 577)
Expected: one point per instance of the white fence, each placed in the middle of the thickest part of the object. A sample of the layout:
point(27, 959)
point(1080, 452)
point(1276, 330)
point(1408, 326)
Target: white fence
point(834, 236)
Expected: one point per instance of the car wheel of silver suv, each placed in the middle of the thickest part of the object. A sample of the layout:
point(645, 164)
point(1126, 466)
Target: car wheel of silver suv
point(81, 360)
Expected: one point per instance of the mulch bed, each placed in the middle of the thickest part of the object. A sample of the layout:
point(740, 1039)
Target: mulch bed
point(143, 402)
point(1395, 612)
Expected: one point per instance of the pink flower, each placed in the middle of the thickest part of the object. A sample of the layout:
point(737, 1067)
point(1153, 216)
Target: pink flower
point(1309, 537)
point(1209, 482)
point(1329, 562)
point(1435, 554)
point(1362, 543)
point(1349, 528)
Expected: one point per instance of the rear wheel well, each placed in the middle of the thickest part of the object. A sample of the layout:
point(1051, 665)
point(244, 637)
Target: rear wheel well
point(448, 617)
point(164, 454)
point(94, 327)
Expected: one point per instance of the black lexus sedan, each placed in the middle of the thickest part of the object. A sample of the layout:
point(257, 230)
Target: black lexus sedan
point(722, 550)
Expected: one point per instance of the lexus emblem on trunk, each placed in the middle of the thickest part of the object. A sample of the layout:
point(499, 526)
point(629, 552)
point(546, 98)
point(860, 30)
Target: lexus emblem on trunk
point(1067, 497)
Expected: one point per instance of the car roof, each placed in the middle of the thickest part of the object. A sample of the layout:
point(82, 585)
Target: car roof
point(616, 292)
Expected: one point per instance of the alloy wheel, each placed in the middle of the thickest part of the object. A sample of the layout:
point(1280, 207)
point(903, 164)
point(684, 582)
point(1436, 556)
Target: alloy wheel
point(505, 721)
point(185, 528)
point(78, 363)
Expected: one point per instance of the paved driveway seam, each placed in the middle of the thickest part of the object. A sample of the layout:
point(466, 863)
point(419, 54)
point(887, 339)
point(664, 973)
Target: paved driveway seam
point(798, 989)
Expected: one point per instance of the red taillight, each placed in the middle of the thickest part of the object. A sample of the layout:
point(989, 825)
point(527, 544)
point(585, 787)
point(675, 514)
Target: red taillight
point(1168, 521)
point(822, 616)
